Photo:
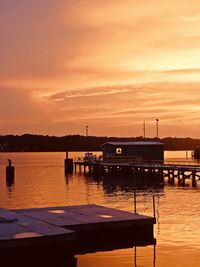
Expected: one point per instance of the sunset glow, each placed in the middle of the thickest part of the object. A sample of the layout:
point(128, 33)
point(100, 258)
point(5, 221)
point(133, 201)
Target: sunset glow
point(107, 64)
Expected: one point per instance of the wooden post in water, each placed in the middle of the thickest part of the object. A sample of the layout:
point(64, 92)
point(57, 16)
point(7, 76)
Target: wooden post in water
point(10, 171)
point(179, 178)
point(172, 176)
point(68, 164)
point(183, 178)
point(194, 183)
point(169, 180)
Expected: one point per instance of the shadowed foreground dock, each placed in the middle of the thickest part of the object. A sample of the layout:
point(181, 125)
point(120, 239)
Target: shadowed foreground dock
point(71, 229)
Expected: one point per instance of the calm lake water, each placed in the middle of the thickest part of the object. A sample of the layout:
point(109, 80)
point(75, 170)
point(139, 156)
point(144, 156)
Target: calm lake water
point(40, 182)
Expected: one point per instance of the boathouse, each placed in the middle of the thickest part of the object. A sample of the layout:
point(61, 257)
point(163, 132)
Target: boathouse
point(135, 151)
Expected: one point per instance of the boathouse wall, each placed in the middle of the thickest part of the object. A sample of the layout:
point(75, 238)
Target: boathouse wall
point(140, 151)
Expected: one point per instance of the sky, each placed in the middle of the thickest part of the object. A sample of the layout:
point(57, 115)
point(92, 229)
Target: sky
point(110, 65)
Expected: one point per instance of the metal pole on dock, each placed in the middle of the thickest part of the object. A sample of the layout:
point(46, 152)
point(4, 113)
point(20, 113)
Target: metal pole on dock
point(144, 129)
point(154, 207)
point(86, 129)
point(135, 203)
point(157, 120)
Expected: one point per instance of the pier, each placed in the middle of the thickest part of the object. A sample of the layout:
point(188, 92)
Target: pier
point(150, 169)
point(70, 229)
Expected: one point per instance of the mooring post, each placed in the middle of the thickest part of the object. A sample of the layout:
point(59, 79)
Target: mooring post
point(194, 183)
point(10, 171)
point(183, 179)
point(169, 177)
point(68, 164)
point(179, 178)
point(173, 176)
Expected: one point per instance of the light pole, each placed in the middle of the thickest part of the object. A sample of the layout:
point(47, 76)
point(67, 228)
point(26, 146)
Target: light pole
point(144, 129)
point(157, 152)
point(157, 120)
point(86, 131)
point(86, 128)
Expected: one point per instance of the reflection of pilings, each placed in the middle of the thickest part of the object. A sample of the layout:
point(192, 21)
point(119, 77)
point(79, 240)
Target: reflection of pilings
point(135, 257)
point(154, 256)
point(154, 207)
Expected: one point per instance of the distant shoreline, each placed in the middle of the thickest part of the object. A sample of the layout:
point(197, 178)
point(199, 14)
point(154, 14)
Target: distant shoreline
point(72, 151)
point(80, 143)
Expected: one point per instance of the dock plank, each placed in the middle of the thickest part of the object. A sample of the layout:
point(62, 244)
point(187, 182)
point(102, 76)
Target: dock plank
point(29, 231)
point(87, 217)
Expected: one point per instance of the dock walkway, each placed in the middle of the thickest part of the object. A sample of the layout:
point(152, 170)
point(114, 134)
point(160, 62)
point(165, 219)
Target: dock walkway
point(154, 170)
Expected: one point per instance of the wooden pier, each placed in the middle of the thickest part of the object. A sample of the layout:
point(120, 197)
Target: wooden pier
point(70, 229)
point(151, 170)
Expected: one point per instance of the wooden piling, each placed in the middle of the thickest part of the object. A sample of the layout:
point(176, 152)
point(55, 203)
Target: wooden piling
point(10, 171)
point(179, 177)
point(194, 183)
point(69, 165)
point(183, 179)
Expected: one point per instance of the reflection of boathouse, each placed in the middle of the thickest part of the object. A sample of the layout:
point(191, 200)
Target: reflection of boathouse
point(134, 151)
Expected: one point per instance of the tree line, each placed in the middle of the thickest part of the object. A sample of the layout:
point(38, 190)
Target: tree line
point(41, 143)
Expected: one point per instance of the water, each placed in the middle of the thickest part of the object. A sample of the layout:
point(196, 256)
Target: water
point(40, 182)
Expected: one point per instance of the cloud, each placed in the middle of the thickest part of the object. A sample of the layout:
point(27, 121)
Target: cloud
point(121, 62)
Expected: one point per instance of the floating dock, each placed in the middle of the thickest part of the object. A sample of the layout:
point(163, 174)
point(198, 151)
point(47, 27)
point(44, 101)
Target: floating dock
point(72, 229)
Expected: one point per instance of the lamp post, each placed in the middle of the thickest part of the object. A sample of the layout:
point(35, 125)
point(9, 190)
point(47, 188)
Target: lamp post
point(144, 129)
point(157, 120)
point(157, 152)
point(86, 128)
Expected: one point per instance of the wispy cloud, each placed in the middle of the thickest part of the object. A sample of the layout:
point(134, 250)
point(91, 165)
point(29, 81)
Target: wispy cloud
point(110, 64)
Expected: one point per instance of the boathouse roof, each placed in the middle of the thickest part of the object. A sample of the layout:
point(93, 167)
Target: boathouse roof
point(138, 143)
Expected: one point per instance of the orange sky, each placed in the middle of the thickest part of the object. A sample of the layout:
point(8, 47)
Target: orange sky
point(107, 64)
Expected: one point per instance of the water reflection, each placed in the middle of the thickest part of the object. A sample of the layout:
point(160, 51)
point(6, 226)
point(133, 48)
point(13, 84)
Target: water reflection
point(67, 262)
point(153, 260)
point(68, 177)
point(10, 184)
point(76, 260)
point(127, 184)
